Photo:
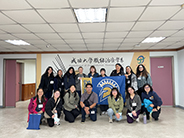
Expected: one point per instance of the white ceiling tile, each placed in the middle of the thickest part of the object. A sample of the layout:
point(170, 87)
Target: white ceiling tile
point(166, 2)
point(71, 35)
point(128, 44)
point(132, 40)
point(172, 25)
point(50, 49)
point(2, 32)
point(125, 48)
point(14, 5)
point(94, 45)
point(26, 36)
point(141, 47)
point(115, 34)
point(119, 26)
point(63, 49)
point(65, 27)
point(129, 2)
point(146, 44)
point(61, 46)
point(5, 20)
point(92, 27)
point(113, 41)
point(179, 16)
point(7, 36)
point(24, 16)
point(162, 33)
point(51, 36)
point(147, 26)
point(93, 35)
point(179, 34)
point(139, 34)
point(13, 29)
point(124, 14)
point(39, 28)
point(171, 39)
point(58, 16)
point(94, 48)
point(93, 41)
point(37, 42)
point(49, 3)
point(80, 49)
point(74, 41)
point(110, 48)
point(60, 41)
point(111, 45)
point(156, 13)
point(160, 47)
point(173, 47)
point(89, 3)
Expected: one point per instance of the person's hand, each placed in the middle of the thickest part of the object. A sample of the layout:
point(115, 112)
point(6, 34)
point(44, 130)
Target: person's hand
point(86, 109)
point(75, 106)
point(126, 76)
point(134, 113)
point(55, 111)
point(53, 116)
point(152, 105)
point(40, 112)
point(117, 115)
point(80, 78)
point(154, 110)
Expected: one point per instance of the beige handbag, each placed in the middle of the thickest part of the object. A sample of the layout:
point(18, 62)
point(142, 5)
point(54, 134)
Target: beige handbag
point(53, 111)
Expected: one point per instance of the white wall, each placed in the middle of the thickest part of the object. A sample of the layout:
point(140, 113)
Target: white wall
point(10, 56)
point(29, 71)
point(181, 77)
point(175, 79)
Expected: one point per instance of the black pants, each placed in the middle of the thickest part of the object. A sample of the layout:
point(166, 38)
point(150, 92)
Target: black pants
point(154, 114)
point(50, 122)
point(139, 91)
point(71, 115)
point(104, 107)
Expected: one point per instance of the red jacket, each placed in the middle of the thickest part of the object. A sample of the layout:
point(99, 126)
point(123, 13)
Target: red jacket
point(32, 106)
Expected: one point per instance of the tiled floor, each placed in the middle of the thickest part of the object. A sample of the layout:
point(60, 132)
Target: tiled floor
point(171, 125)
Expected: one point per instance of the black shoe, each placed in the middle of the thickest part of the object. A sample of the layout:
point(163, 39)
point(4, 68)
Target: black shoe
point(83, 120)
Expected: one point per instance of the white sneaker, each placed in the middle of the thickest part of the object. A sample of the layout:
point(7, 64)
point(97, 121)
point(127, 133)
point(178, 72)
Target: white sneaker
point(103, 113)
point(110, 120)
point(137, 120)
point(130, 114)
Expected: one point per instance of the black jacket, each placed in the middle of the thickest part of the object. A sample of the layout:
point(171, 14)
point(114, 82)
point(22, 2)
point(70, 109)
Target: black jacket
point(59, 83)
point(45, 83)
point(50, 106)
point(114, 73)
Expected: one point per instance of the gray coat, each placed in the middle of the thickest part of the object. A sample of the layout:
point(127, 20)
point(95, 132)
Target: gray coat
point(142, 80)
point(136, 100)
point(134, 81)
point(70, 101)
point(77, 81)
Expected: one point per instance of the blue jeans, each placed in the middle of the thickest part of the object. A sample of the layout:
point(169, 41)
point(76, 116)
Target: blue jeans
point(92, 116)
point(110, 113)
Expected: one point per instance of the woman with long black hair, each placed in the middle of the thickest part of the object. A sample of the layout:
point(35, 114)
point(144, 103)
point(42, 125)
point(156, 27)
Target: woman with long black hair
point(119, 71)
point(59, 83)
point(116, 104)
point(69, 78)
point(71, 109)
point(47, 82)
point(143, 77)
point(131, 79)
point(93, 73)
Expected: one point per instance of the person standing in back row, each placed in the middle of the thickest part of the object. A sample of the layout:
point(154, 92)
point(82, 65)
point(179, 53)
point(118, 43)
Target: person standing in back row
point(119, 71)
point(69, 78)
point(93, 73)
point(143, 77)
point(47, 82)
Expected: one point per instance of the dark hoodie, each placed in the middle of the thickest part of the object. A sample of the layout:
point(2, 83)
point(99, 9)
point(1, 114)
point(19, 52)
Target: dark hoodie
point(114, 72)
point(69, 79)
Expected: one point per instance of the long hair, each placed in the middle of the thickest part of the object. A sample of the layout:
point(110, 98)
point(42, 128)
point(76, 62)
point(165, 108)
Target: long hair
point(118, 93)
point(46, 72)
point(42, 98)
point(68, 73)
point(130, 71)
point(144, 72)
point(92, 67)
point(151, 88)
point(57, 76)
point(128, 94)
point(75, 93)
point(121, 68)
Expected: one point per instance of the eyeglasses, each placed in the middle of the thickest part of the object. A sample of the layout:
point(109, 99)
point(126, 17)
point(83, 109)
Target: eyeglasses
point(147, 87)
point(88, 87)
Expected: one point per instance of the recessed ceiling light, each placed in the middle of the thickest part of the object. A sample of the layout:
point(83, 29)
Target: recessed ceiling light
point(153, 39)
point(17, 42)
point(90, 15)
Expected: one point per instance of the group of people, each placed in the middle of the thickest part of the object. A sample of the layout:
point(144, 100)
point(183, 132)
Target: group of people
point(63, 93)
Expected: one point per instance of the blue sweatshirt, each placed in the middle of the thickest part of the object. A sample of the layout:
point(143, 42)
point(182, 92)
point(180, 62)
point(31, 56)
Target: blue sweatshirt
point(153, 97)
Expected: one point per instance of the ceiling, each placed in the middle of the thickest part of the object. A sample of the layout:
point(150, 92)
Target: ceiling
point(42, 22)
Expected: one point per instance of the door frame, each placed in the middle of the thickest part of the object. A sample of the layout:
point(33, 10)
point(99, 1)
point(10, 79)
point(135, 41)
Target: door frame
point(4, 70)
point(173, 75)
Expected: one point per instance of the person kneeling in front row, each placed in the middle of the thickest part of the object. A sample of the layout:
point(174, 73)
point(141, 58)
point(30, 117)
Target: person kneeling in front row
point(116, 104)
point(88, 103)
